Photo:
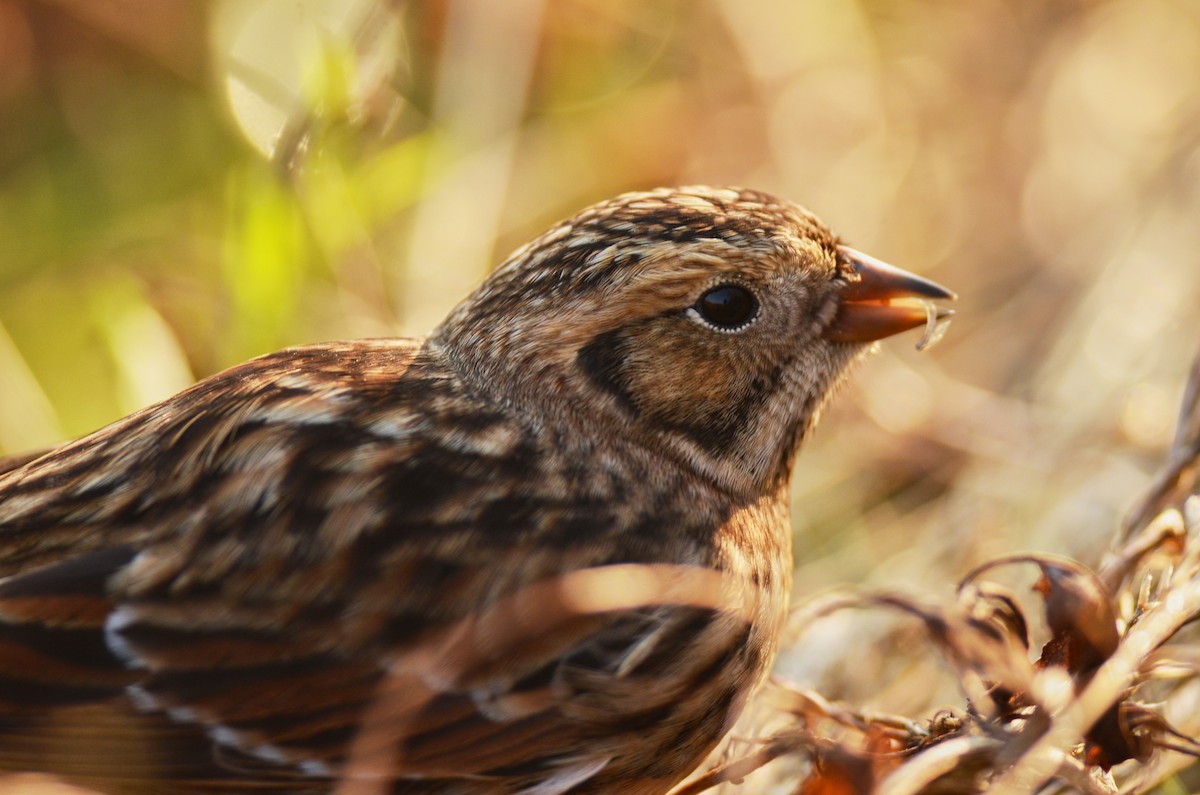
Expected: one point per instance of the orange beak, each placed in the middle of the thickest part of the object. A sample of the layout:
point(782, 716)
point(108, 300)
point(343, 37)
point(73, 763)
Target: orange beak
point(866, 311)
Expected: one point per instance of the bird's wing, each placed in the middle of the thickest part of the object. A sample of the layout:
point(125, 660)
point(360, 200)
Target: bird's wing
point(17, 460)
point(272, 555)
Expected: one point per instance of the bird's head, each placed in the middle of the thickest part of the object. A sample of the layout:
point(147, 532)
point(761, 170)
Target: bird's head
point(712, 322)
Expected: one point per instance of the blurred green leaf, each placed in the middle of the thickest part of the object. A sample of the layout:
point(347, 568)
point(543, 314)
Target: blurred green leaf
point(266, 253)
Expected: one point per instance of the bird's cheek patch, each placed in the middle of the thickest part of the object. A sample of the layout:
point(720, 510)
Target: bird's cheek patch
point(707, 394)
point(603, 360)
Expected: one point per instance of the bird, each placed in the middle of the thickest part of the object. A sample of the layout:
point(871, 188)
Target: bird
point(544, 549)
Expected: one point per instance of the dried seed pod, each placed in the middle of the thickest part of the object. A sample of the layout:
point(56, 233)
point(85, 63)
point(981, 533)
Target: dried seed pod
point(1079, 612)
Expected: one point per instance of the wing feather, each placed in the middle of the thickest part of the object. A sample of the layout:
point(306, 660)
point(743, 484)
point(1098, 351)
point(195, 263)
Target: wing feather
point(301, 566)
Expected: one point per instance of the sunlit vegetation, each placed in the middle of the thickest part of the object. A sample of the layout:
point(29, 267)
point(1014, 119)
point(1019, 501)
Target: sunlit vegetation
point(184, 185)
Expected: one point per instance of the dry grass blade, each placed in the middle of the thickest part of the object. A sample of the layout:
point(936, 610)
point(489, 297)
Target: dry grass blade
point(536, 619)
point(787, 742)
point(951, 766)
point(1178, 477)
point(1187, 430)
point(1164, 533)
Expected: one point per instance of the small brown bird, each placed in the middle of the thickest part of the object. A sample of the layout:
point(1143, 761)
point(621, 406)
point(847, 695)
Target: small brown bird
point(544, 550)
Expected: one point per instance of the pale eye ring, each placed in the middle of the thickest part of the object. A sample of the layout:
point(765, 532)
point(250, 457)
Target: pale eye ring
point(726, 307)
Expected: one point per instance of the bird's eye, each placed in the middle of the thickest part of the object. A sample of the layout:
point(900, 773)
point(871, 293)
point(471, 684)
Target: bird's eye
point(727, 307)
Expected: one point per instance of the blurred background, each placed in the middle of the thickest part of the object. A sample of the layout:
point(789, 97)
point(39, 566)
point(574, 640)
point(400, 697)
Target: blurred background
point(184, 185)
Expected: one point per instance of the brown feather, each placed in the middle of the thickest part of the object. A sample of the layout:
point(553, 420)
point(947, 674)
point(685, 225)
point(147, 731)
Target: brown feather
point(544, 550)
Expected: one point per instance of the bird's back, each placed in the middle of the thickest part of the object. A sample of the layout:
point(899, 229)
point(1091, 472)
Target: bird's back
point(342, 557)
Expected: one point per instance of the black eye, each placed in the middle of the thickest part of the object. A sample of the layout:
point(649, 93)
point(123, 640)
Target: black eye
point(728, 306)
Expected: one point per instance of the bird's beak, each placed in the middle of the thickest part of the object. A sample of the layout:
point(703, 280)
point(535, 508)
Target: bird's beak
point(865, 309)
